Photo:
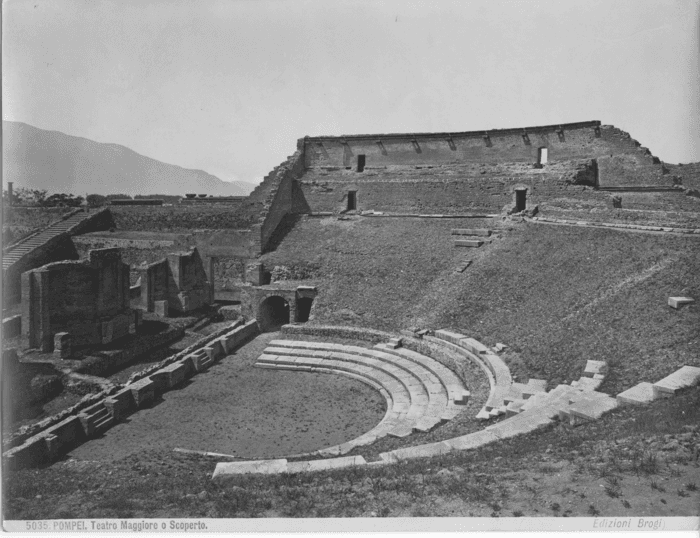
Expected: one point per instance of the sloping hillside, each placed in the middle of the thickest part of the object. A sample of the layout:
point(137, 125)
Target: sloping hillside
point(58, 162)
point(555, 295)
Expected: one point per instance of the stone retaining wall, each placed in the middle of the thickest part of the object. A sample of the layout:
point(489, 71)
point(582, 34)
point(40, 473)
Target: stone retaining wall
point(25, 446)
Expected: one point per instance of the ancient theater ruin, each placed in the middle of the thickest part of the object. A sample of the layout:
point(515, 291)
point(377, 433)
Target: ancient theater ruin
point(466, 281)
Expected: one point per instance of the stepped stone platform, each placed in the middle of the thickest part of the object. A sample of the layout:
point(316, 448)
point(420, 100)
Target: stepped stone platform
point(420, 392)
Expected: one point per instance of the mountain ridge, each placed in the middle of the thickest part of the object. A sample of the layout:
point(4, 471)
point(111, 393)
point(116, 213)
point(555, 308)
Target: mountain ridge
point(58, 162)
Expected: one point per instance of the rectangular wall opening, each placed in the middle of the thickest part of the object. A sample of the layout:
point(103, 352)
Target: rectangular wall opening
point(360, 163)
point(542, 156)
point(352, 200)
point(520, 199)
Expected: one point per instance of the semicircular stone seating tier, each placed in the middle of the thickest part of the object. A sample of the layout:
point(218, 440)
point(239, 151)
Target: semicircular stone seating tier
point(420, 392)
point(576, 403)
point(528, 406)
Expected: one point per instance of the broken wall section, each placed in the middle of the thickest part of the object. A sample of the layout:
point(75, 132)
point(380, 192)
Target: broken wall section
point(88, 299)
point(178, 282)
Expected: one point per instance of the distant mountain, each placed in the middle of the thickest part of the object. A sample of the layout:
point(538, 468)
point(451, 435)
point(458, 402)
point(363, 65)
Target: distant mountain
point(58, 162)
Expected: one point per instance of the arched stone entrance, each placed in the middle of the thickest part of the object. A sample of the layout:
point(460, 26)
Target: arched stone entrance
point(273, 313)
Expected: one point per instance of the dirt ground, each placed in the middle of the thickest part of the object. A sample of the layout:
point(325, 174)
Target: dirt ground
point(247, 412)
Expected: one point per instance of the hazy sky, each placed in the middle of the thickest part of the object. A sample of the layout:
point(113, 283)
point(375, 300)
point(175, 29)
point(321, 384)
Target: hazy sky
point(228, 86)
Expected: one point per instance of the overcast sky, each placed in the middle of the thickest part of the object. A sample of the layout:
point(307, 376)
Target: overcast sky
point(228, 86)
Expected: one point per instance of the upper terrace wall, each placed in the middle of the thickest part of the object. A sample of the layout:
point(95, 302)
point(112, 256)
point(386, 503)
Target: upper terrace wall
point(446, 189)
point(626, 162)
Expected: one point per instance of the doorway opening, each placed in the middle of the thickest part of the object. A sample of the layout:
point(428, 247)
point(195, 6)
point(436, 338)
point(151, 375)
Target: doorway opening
point(361, 163)
point(304, 309)
point(520, 199)
point(273, 313)
point(352, 200)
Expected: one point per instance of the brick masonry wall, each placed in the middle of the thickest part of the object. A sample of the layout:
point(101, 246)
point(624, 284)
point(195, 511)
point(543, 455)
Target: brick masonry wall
point(446, 189)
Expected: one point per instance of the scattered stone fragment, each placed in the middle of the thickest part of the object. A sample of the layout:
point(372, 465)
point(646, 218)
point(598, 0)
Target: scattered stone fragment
point(677, 302)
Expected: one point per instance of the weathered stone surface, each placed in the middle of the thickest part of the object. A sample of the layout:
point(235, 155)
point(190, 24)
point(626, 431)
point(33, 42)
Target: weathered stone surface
point(640, 394)
point(685, 377)
point(595, 367)
point(161, 308)
point(250, 467)
point(63, 345)
point(677, 302)
point(143, 391)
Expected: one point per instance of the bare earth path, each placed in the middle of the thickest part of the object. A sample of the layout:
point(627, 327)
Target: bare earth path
point(237, 409)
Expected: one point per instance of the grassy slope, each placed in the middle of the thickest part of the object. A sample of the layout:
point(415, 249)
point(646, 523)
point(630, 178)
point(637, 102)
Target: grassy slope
point(556, 295)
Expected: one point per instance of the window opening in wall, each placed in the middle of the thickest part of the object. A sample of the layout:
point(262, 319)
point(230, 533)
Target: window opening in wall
point(304, 309)
point(520, 199)
point(360, 163)
point(352, 200)
point(542, 156)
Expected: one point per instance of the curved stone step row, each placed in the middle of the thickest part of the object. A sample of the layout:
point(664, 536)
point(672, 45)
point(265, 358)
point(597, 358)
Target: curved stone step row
point(498, 373)
point(418, 397)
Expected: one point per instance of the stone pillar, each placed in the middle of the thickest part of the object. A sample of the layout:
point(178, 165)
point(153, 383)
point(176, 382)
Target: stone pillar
point(63, 345)
point(36, 323)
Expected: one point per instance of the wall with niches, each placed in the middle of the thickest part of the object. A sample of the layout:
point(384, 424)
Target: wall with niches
point(571, 141)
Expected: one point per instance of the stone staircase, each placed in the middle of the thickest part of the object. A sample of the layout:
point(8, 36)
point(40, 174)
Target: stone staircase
point(71, 223)
point(576, 402)
point(96, 419)
point(469, 238)
point(420, 392)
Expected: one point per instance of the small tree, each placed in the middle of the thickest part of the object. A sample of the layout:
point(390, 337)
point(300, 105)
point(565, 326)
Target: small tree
point(96, 200)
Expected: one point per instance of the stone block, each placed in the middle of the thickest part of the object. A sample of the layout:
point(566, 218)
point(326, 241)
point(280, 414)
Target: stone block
point(472, 440)
point(188, 366)
point(591, 408)
point(176, 374)
point(12, 326)
point(62, 437)
point(422, 451)
point(107, 331)
point(473, 346)
point(449, 336)
point(471, 243)
point(685, 377)
point(677, 302)
point(138, 319)
point(638, 395)
point(63, 345)
point(161, 381)
point(32, 453)
point(324, 465)
point(161, 308)
point(215, 350)
point(471, 231)
point(143, 391)
point(595, 367)
point(250, 467)
point(120, 403)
